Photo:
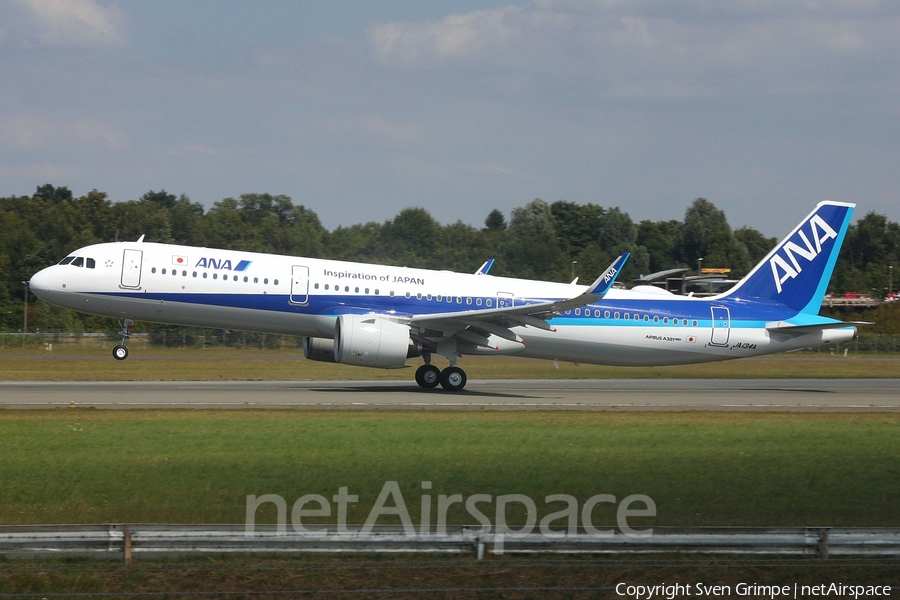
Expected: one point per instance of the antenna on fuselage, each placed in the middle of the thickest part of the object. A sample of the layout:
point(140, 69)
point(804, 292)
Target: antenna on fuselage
point(140, 239)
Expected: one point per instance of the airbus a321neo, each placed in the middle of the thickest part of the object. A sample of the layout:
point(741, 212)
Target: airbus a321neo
point(381, 316)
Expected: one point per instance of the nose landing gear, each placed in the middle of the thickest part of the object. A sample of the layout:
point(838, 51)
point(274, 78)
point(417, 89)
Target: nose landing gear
point(120, 352)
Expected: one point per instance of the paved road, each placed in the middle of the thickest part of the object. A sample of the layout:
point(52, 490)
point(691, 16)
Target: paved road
point(607, 394)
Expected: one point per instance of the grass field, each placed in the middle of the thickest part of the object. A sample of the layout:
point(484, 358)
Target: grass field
point(428, 576)
point(85, 466)
point(149, 364)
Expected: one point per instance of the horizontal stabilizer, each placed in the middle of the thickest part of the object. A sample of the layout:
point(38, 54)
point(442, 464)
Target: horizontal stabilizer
point(790, 328)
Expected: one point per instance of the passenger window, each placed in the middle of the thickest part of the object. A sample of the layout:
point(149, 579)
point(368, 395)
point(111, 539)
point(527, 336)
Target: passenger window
point(246, 279)
point(439, 298)
point(326, 286)
point(695, 323)
point(367, 290)
point(67, 260)
point(164, 271)
point(606, 315)
point(627, 317)
point(666, 320)
point(376, 291)
point(184, 273)
point(478, 301)
point(407, 294)
point(204, 275)
point(266, 280)
point(194, 274)
point(578, 312)
point(646, 318)
point(153, 270)
point(215, 275)
point(489, 302)
point(459, 299)
point(355, 290)
point(469, 301)
point(315, 286)
point(616, 315)
point(656, 319)
point(418, 296)
point(90, 263)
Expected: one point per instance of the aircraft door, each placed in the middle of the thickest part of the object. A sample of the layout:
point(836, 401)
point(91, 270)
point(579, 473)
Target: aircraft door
point(299, 285)
point(721, 326)
point(505, 300)
point(131, 268)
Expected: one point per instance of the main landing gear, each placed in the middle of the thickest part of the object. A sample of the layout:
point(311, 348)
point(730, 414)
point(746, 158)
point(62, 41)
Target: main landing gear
point(120, 352)
point(452, 379)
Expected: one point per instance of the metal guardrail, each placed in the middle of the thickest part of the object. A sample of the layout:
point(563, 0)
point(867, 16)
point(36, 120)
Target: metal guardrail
point(125, 541)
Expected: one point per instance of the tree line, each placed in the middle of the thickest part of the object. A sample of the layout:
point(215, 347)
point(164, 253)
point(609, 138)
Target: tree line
point(551, 241)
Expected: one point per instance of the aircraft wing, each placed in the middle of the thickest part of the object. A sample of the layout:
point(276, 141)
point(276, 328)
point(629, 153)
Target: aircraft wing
point(498, 321)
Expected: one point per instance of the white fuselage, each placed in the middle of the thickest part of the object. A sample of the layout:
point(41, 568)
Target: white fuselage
point(204, 287)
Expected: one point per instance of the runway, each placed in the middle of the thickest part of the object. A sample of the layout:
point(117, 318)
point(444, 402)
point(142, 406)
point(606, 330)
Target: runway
point(850, 395)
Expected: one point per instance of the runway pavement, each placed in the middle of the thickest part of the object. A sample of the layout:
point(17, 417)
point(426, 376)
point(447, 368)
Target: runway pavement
point(581, 394)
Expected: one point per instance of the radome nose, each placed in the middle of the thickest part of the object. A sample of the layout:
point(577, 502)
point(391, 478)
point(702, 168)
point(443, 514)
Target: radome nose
point(41, 282)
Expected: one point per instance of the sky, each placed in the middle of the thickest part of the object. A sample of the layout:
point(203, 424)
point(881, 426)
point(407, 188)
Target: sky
point(358, 109)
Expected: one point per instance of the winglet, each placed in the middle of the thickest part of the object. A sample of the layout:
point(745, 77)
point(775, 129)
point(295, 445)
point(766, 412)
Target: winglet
point(483, 269)
point(605, 282)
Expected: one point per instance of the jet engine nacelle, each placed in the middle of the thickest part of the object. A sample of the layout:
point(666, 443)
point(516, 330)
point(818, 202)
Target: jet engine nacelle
point(372, 341)
point(319, 349)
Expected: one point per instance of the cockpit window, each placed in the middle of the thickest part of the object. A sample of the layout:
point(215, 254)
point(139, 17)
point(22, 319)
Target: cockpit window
point(67, 260)
point(78, 262)
point(91, 263)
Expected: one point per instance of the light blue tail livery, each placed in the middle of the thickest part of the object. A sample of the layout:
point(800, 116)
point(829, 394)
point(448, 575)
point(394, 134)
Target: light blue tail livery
point(796, 273)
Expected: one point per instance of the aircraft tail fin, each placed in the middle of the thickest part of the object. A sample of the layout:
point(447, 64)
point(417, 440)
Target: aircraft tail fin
point(797, 271)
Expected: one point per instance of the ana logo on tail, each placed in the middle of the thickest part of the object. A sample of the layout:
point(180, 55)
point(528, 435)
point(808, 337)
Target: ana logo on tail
point(789, 267)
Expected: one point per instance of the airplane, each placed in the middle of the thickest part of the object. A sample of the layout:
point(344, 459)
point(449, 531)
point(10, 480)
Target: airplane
point(382, 316)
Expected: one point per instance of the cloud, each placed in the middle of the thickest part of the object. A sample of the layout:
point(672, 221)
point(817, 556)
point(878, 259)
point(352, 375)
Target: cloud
point(43, 171)
point(34, 133)
point(377, 128)
point(471, 35)
point(192, 149)
point(491, 168)
point(655, 48)
point(73, 23)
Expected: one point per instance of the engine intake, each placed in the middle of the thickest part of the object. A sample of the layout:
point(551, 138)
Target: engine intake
point(372, 341)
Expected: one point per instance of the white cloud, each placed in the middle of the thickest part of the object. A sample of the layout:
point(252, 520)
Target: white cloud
point(491, 168)
point(653, 49)
point(30, 133)
point(475, 34)
point(75, 23)
point(43, 171)
point(376, 128)
point(192, 149)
